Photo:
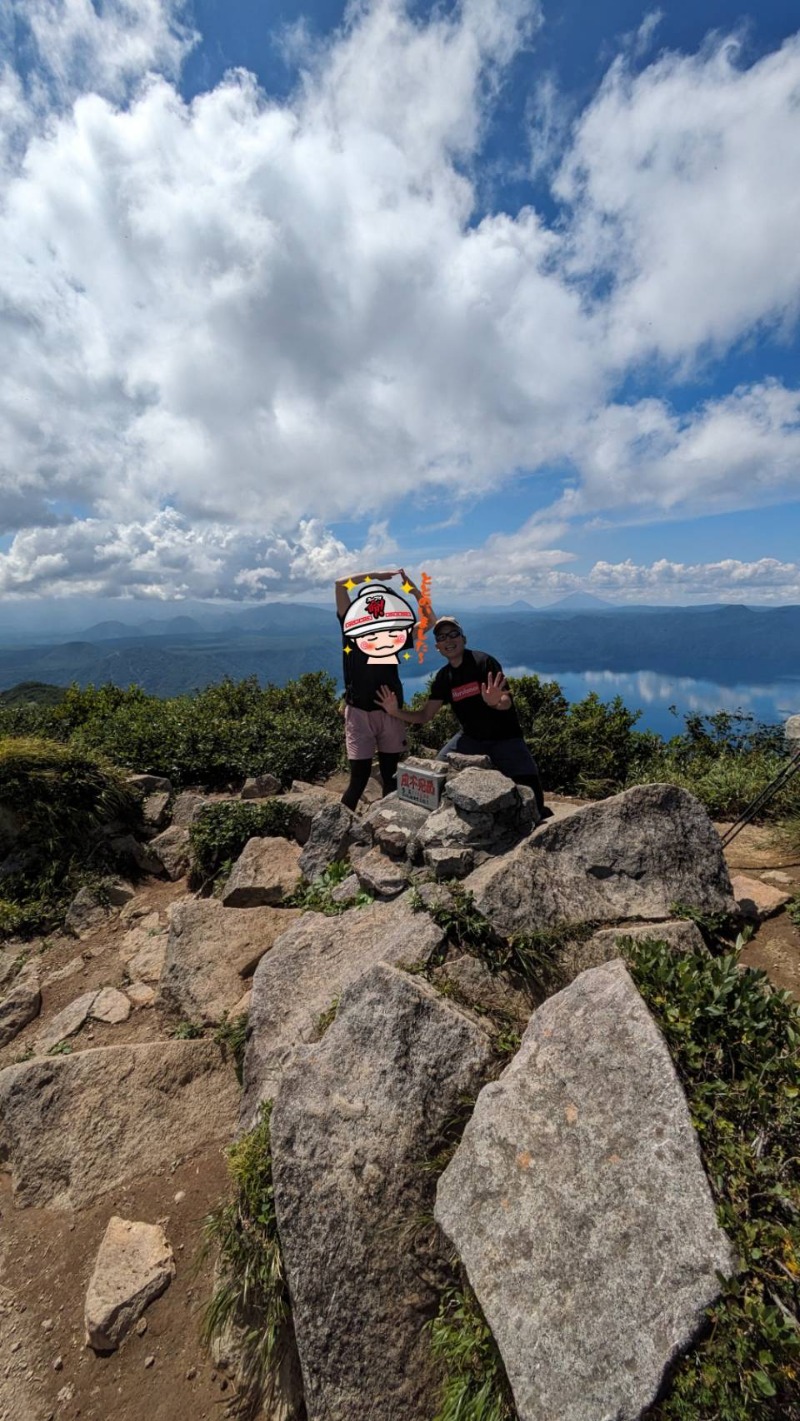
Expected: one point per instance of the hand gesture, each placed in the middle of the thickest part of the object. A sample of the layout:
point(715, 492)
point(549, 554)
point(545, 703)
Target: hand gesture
point(494, 689)
point(403, 575)
point(387, 700)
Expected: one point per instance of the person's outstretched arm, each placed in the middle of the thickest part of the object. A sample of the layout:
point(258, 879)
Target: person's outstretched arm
point(387, 701)
point(342, 593)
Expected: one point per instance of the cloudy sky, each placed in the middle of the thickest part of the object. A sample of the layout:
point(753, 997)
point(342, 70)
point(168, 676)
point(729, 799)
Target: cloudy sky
point(504, 291)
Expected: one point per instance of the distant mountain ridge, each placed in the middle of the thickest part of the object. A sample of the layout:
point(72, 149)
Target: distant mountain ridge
point(277, 642)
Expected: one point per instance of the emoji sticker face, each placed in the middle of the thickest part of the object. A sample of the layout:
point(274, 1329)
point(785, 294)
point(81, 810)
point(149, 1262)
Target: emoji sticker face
point(379, 622)
point(382, 645)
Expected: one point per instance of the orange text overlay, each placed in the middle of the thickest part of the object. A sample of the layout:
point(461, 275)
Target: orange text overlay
point(425, 617)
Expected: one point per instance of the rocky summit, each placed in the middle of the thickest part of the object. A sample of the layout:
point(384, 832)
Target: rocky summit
point(438, 1112)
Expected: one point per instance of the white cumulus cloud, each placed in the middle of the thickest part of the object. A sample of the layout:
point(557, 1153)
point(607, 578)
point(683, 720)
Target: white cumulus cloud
point(264, 316)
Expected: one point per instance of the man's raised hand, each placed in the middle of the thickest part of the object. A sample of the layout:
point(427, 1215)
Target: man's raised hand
point(494, 689)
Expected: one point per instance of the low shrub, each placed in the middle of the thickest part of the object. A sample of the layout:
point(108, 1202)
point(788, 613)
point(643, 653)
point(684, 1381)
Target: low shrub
point(734, 1041)
point(59, 804)
point(220, 832)
point(317, 896)
point(217, 737)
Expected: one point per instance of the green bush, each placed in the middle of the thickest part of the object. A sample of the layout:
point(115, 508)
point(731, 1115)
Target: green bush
point(58, 802)
point(735, 1043)
point(215, 738)
point(220, 832)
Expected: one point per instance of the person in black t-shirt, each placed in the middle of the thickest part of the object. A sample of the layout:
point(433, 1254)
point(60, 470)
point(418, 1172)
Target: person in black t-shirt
point(473, 683)
point(376, 626)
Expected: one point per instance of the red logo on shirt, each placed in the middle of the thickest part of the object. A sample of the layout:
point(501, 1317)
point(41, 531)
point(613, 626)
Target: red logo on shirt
point(375, 606)
point(471, 688)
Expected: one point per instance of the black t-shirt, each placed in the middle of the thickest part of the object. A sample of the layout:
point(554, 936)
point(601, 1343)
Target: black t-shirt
point(363, 678)
point(460, 687)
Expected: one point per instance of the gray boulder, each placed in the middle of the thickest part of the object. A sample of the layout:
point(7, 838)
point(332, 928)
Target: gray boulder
point(354, 1117)
point(21, 1004)
point(573, 957)
point(394, 826)
point(308, 967)
point(304, 803)
point(265, 872)
point(334, 831)
point(173, 850)
point(92, 907)
point(481, 791)
point(260, 787)
point(379, 875)
point(456, 762)
point(187, 806)
point(475, 986)
point(209, 949)
point(133, 1266)
point(65, 1023)
point(154, 809)
point(150, 784)
point(631, 856)
point(73, 1128)
point(579, 1206)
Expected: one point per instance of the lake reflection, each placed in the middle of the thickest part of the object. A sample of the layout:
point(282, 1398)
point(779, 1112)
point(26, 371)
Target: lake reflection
point(653, 694)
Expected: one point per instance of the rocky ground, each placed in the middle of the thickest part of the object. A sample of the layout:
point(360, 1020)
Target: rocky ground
point(47, 1255)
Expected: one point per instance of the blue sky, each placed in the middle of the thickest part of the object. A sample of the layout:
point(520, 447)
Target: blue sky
point(504, 291)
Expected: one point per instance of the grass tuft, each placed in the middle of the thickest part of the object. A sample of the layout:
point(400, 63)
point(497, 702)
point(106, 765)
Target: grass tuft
point(475, 1386)
point(251, 1297)
point(317, 897)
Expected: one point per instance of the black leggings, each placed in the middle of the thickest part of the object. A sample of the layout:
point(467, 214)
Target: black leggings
point(359, 774)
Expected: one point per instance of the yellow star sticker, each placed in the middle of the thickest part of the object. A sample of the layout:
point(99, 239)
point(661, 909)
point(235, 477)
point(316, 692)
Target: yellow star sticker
point(368, 578)
point(407, 587)
point(406, 655)
point(348, 650)
point(349, 584)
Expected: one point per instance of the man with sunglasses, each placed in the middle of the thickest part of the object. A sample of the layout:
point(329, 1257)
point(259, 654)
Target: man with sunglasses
point(473, 683)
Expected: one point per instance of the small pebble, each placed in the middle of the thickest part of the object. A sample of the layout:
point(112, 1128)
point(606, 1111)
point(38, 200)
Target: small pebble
point(47, 1325)
point(180, 1196)
point(141, 1327)
point(149, 1361)
point(191, 1374)
point(15, 1346)
point(58, 1364)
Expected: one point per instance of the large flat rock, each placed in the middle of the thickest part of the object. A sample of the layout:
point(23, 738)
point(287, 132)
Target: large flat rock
point(354, 1117)
point(578, 1203)
point(134, 1265)
point(209, 949)
point(73, 1128)
point(265, 872)
point(631, 856)
point(308, 967)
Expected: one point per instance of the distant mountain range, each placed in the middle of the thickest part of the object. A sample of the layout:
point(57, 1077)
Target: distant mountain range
point(278, 641)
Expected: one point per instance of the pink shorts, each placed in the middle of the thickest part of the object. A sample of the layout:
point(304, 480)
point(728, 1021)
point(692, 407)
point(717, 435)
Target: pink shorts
point(368, 731)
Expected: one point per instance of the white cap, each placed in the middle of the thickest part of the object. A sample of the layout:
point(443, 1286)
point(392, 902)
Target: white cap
point(377, 609)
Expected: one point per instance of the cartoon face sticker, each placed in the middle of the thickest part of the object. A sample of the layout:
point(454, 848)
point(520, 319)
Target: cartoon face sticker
point(378, 622)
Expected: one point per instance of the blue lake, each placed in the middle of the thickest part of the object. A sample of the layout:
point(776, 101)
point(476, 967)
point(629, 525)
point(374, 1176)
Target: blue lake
point(653, 694)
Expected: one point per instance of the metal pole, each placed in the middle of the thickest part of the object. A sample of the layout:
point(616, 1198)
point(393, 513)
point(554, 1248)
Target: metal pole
point(778, 783)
